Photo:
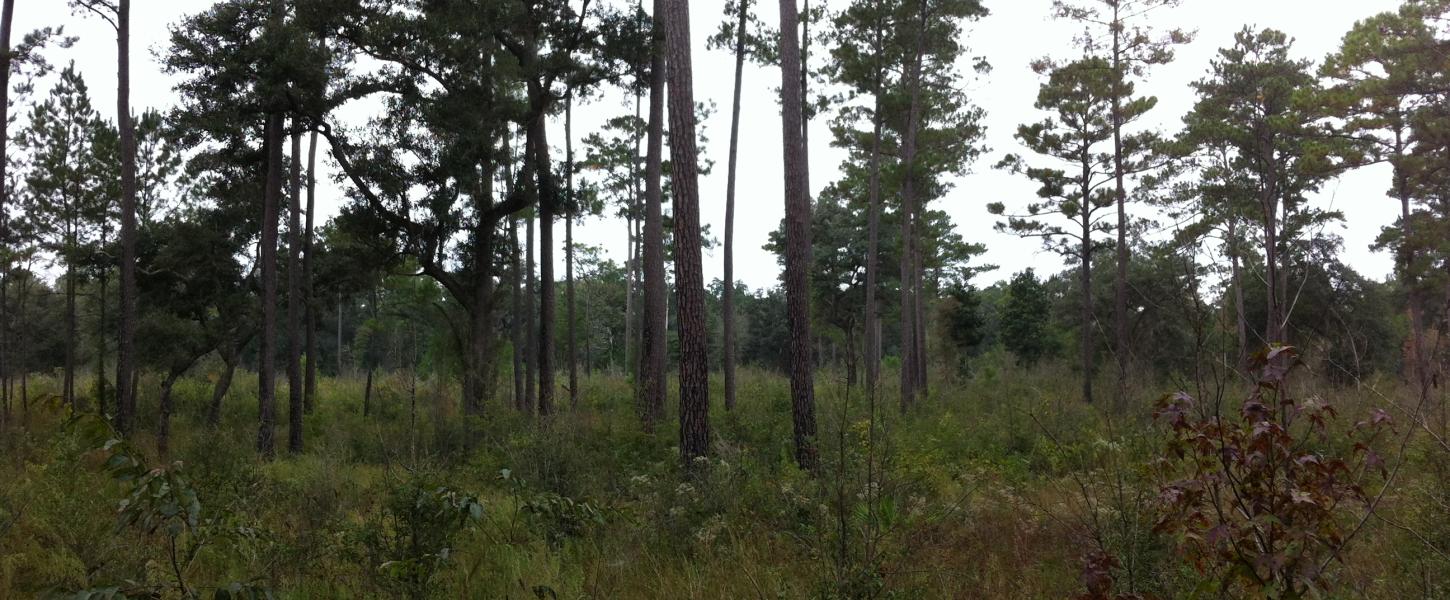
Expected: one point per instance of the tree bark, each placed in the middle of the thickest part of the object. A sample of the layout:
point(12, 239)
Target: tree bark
point(101, 342)
point(368, 394)
point(798, 244)
point(517, 317)
point(478, 377)
point(163, 424)
point(911, 344)
point(689, 278)
point(266, 346)
point(872, 330)
point(126, 345)
point(68, 387)
point(309, 393)
point(224, 383)
point(1405, 259)
point(548, 201)
point(531, 331)
point(515, 320)
point(1120, 283)
point(295, 302)
point(1086, 280)
point(7, 18)
point(546, 309)
point(728, 290)
point(652, 355)
point(573, 209)
point(1240, 309)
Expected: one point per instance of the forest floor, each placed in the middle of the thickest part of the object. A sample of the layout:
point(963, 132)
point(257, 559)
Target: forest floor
point(998, 486)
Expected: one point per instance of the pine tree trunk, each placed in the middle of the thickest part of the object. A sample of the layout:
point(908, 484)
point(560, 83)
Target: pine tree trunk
point(805, 96)
point(368, 394)
point(479, 377)
point(573, 340)
point(266, 346)
point(69, 386)
point(295, 301)
point(126, 344)
point(1240, 310)
point(531, 331)
point(515, 319)
point(309, 393)
point(1086, 280)
point(911, 344)
point(1421, 367)
point(728, 290)
point(548, 203)
point(224, 383)
point(920, 298)
point(798, 244)
point(652, 355)
point(7, 18)
point(163, 424)
point(1120, 287)
point(101, 343)
point(873, 259)
point(689, 278)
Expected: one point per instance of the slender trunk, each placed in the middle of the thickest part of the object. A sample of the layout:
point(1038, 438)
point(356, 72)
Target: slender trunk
point(295, 406)
point(267, 256)
point(515, 320)
point(652, 355)
point(629, 304)
point(919, 299)
point(797, 243)
point(479, 377)
point(126, 344)
point(266, 346)
point(531, 331)
point(69, 386)
point(1120, 287)
point(728, 290)
point(368, 394)
point(1240, 310)
point(1273, 328)
point(689, 278)
point(1086, 280)
point(101, 345)
point(309, 393)
point(873, 259)
point(571, 213)
point(805, 96)
point(163, 424)
point(631, 237)
point(548, 204)
point(219, 391)
point(911, 345)
point(339, 335)
point(1406, 257)
point(7, 17)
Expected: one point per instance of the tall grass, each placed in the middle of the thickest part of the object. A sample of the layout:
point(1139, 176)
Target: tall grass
point(995, 487)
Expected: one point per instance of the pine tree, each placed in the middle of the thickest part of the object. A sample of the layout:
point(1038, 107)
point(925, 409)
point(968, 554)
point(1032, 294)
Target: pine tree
point(689, 278)
point(798, 245)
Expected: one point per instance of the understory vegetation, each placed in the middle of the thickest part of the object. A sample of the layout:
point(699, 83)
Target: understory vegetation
point(994, 487)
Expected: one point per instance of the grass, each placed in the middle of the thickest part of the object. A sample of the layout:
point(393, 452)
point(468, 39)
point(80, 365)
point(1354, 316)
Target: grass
point(995, 487)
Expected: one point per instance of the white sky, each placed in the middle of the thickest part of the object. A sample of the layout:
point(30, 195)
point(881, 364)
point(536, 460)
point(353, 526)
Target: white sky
point(1016, 32)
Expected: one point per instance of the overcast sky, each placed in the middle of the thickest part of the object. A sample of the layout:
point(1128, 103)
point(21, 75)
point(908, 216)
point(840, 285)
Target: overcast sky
point(1016, 32)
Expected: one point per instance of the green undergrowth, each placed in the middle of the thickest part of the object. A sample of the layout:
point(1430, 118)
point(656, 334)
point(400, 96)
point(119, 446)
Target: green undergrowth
point(996, 486)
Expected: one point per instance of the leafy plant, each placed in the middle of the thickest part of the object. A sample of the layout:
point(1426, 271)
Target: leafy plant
point(1263, 497)
point(412, 537)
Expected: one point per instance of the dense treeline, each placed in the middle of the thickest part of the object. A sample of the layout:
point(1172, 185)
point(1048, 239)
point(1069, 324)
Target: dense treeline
point(146, 254)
